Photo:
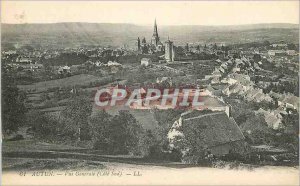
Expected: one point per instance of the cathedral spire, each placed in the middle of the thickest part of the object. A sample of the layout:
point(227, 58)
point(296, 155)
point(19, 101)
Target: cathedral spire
point(155, 38)
point(155, 33)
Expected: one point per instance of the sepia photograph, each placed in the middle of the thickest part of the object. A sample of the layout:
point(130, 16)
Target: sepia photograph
point(149, 92)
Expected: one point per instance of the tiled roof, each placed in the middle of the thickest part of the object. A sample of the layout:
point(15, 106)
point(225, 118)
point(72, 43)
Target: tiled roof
point(218, 128)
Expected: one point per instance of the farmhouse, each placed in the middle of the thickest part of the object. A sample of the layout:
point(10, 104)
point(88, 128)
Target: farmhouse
point(219, 133)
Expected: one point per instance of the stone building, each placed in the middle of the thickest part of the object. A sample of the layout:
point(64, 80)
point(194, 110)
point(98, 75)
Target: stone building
point(169, 51)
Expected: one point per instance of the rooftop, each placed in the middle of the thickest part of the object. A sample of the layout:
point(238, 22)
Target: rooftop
point(217, 127)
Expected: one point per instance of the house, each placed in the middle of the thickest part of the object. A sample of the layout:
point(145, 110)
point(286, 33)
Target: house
point(216, 73)
point(236, 69)
point(74, 68)
point(114, 66)
point(220, 133)
point(31, 67)
point(219, 61)
point(279, 45)
point(64, 69)
point(289, 101)
point(98, 64)
point(221, 69)
point(291, 52)
point(146, 62)
point(273, 121)
point(229, 81)
point(272, 118)
point(256, 66)
point(24, 60)
point(213, 104)
point(241, 78)
point(10, 52)
point(235, 89)
point(276, 53)
point(224, 66)
point(229, 61)
point(215, 80)
point(164, 80)
point(113, 63)
point(209, 91)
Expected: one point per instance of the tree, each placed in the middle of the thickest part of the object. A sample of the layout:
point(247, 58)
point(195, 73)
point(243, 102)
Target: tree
point(13, 103)
point(165, 121)
point(145, 49)
point(291, 46)
point(99, 124)
point(266, 43)
point(256, 57)
point(45, 127)
point(191, 143)
point(120, 134)
point(222, 48)
point(187, 47)
point(215, 46)
point(124, 133)
point(76, 114)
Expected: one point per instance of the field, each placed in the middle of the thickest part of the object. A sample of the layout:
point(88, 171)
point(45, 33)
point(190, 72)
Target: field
point(82, 79)
point(42, 96)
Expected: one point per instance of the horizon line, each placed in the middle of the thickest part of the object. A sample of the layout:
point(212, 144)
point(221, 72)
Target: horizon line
point(151, 24)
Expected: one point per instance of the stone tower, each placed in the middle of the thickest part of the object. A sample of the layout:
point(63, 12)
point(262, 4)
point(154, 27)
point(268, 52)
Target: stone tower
point(169, 51)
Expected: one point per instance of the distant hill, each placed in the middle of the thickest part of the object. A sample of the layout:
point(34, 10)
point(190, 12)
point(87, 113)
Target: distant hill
point(103, 34)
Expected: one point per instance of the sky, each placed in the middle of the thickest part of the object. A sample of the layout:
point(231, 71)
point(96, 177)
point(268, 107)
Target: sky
point(144, 13)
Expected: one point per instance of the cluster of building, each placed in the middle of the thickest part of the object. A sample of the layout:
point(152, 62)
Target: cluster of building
point(156, 46)
point(234, 82)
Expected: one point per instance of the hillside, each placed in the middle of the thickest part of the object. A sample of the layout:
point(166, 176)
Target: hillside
point(103, 34)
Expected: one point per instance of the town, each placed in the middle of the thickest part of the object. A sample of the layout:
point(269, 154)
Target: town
point(250, 93)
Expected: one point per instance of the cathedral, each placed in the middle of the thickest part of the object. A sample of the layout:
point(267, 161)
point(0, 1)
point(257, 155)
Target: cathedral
point(154, 46)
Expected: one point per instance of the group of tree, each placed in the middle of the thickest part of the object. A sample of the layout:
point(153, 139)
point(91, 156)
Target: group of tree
point(13, 103)
point(284, 88)
point(118, 134)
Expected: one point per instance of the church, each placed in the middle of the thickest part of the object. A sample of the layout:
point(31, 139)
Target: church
point(154, 46)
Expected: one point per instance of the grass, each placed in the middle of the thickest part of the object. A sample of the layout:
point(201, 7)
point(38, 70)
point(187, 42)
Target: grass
point(33, 146)
point(34, 155)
